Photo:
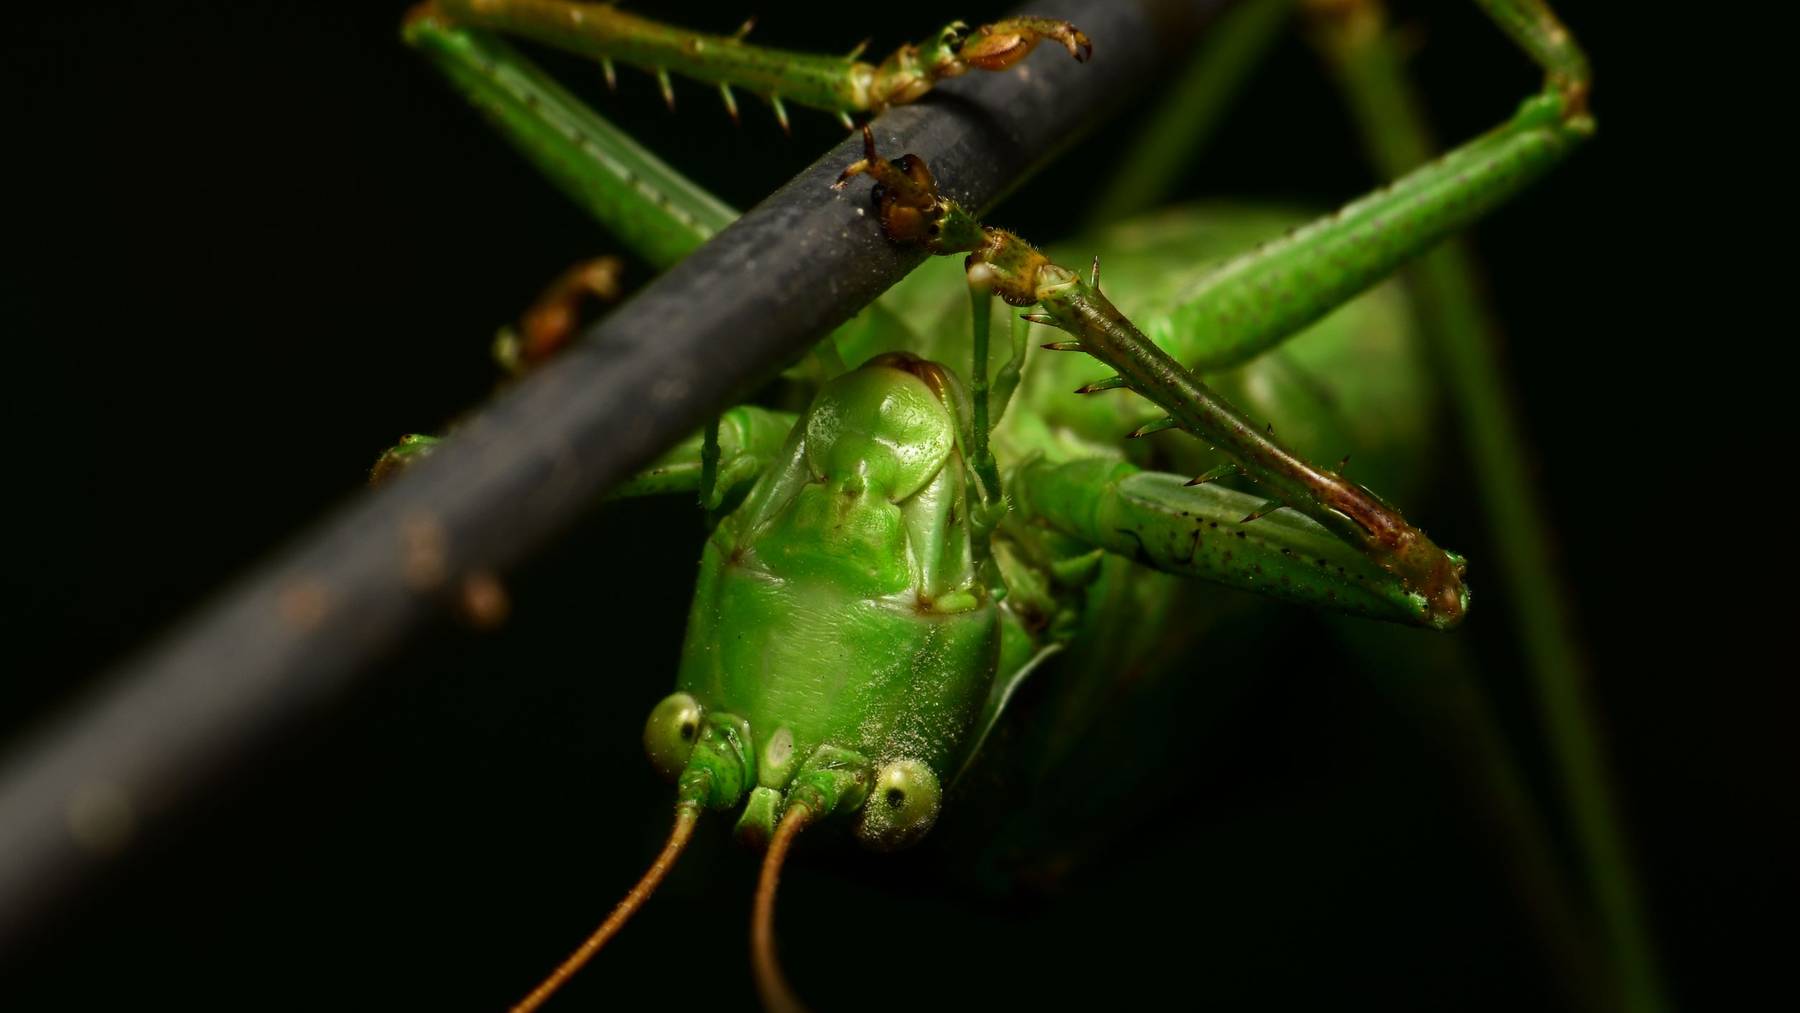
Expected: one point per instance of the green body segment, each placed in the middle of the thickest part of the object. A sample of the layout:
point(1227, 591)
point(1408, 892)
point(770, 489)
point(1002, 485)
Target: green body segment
point(605, 32)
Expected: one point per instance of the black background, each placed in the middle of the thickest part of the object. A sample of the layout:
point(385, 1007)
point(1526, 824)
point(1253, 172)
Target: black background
point(248, 244)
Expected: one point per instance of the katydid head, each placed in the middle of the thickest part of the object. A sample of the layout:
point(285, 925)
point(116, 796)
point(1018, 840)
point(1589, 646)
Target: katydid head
point(841, 645)
point(839, 625)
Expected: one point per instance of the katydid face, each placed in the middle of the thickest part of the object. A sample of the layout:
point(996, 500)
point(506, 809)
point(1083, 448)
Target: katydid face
point(838, 628)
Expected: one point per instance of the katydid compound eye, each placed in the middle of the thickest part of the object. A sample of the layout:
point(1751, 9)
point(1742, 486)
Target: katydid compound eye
point(902, 805)
point(670, 733)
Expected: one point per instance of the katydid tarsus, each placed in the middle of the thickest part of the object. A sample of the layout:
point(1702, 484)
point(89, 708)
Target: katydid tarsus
point(892, 562)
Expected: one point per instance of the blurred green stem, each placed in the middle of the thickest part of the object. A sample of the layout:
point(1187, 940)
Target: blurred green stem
point(1190, 111)
point(1466, 344)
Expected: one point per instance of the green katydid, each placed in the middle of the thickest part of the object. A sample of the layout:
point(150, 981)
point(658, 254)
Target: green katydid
point(878, 545)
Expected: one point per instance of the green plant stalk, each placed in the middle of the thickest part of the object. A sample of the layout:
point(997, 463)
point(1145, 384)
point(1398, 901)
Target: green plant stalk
point(1190, 111)
point(1466, 344)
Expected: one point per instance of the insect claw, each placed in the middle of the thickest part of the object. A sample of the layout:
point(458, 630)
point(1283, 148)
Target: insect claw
point(1004, 43)
point(1039, 318)
point(1110, 383)
point(1153, 426)
point(867, 163)
point(1064, 346)
point(1094, 275)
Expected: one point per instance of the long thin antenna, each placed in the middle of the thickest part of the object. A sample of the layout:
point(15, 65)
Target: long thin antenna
point(771, 985)
point(686, 815)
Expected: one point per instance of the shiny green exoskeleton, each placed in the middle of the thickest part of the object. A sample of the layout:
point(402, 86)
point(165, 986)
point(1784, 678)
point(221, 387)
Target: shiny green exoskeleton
point(842, 625)
point(945, 514)
point(840, 636)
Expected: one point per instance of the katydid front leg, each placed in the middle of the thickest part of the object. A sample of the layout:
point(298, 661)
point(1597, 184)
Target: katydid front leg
point(840, 84)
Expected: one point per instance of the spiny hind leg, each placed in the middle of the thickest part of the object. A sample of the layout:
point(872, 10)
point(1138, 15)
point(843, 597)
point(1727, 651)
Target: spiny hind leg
point(1254, 301)
point(1257, 300)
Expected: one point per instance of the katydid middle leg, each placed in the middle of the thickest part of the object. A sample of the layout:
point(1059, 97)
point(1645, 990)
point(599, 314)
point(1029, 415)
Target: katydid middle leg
point(843, 85)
